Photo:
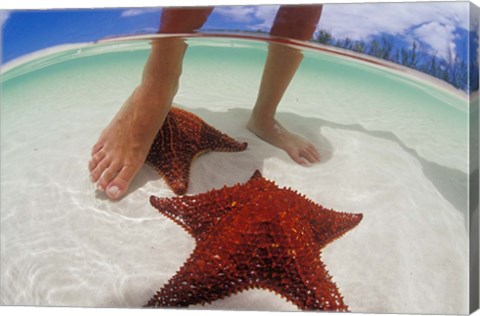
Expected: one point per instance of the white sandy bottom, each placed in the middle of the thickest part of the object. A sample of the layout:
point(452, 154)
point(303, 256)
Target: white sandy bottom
point(64, 244)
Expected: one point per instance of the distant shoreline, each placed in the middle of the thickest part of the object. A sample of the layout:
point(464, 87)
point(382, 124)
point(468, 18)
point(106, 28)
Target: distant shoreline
point(39, 54)
point(409, 72)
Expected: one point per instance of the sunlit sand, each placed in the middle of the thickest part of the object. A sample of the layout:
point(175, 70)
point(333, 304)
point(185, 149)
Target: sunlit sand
point(393, 148)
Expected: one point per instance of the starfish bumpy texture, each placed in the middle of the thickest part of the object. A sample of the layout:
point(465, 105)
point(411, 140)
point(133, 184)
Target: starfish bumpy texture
point(254, 235)
point(183, 137)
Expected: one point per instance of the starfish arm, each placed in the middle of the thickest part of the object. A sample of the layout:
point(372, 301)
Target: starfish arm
point(301, 278)
point(324, 292)
point(329, 225)
point(214, 140)
point(198, 214)
point(309, 288)
point(182, 138)
point(204, 278)
point(177, 176)
point(170, 156)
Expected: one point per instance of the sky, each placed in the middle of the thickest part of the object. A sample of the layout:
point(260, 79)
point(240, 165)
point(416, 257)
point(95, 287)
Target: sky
point(440, 27)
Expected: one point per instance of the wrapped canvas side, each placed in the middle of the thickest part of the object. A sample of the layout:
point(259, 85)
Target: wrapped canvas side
point(474, 153)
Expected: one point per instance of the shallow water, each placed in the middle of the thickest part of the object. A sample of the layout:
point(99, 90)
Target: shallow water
point(394, 147)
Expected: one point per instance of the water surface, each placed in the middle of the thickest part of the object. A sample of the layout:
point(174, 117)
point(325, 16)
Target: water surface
point(394, 147)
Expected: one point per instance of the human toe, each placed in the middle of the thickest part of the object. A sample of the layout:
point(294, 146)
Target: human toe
point(314, 152)
point(95, 160)
point(99, 170)
point(297, 157)
point(108, 175)
point(310, 155)
point(119, 185)
point(96, 148)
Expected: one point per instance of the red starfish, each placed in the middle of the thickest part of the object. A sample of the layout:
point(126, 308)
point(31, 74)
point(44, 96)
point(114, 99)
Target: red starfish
point(254, 235)
point(182, 138)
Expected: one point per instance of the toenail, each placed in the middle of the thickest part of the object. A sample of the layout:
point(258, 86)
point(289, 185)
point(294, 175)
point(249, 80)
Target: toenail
point(114, 191)
point(99, 187)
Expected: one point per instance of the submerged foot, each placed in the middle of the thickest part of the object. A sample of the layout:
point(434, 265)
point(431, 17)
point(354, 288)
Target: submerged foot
point(300, 150)
point(123, 145)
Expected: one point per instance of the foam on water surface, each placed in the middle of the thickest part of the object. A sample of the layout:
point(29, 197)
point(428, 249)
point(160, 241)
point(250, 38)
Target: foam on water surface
point(392, 148)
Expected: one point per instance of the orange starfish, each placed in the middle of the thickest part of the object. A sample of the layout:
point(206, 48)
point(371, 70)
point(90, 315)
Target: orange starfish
point(183, 137)
point(254, 235)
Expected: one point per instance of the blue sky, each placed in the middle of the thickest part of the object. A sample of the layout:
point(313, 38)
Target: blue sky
point(28, 31)
point(441, 28)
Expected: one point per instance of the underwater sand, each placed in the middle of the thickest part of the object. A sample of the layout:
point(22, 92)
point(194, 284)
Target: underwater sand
point(392, 149)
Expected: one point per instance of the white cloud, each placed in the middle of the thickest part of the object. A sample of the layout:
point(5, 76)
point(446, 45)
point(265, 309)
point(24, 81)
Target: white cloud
point(266, 14)
point(260, 16)
point(433, 23)
point(237, 13)
point(364, 20)
point(135, 12)
point(4, 15)
point(439, 37)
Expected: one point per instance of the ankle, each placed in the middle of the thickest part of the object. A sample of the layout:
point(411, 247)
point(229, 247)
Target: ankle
point(262, 121)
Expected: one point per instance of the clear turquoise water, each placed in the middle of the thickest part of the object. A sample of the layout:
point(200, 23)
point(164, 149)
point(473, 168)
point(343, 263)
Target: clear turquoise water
point(393, 147)
point(345, 90)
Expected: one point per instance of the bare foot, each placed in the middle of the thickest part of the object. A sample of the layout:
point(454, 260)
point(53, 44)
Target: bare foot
point(300, 150)
point(123, 145)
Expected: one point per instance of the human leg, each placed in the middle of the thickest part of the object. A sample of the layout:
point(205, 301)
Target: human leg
point(297, 22)
point(123, 145)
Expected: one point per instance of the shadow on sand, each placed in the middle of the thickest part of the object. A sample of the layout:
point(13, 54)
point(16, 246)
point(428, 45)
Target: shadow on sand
point(452, 184)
